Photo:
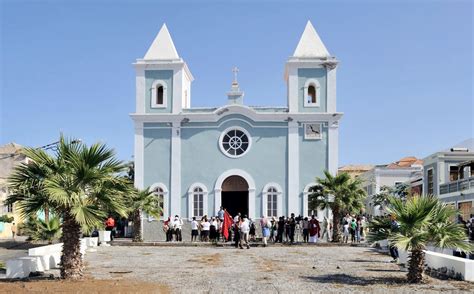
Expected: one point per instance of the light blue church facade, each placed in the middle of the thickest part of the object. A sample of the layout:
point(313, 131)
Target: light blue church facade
point(259, 161)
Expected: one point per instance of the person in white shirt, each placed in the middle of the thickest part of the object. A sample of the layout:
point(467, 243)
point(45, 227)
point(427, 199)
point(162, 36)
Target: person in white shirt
point(194, 229)
point(244, 233)
point(213, 231)
point(178, 225)
point(345, 237)
point(206, 226)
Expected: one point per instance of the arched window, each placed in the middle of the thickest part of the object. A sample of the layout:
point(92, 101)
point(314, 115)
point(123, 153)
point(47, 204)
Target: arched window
point(198, 202)
point(160, 194)
point(312, 94)
point(159, 95)
point(272, 202)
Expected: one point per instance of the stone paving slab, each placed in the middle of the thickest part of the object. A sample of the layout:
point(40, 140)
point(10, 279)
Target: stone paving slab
point(277, 269)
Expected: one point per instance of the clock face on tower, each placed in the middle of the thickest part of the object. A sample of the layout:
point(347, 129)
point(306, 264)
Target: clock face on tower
point(312, 131)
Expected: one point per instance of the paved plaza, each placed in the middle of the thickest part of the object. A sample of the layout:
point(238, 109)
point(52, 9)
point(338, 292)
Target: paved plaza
point(278, 269)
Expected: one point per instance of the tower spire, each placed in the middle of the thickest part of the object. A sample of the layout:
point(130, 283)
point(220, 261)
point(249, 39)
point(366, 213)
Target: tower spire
point(162, 47)
point(310, 44)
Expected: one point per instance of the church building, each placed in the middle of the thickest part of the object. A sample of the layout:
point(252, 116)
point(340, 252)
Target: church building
point(259, 161)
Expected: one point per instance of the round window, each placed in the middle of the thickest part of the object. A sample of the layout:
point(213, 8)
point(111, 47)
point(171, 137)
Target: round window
point(235, 142)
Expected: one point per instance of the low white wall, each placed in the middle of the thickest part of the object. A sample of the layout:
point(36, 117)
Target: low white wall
point(22, 267)
point(42, 258)
point(437, 260)
point(463, 266)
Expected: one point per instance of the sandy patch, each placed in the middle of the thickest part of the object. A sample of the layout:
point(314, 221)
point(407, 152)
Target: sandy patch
point(86, 286)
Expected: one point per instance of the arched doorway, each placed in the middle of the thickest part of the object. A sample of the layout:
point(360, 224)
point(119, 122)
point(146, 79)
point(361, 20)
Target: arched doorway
point(235, 195)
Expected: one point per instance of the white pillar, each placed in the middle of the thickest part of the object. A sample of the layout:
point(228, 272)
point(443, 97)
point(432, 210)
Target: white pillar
point(293, 168)
point(331, 89)
point(178, 88)
point(175, 189)
point(217, 199)
point(139, 157)
point(139, 161)
point(293, 90)
point(140, 90)
point(333, 149)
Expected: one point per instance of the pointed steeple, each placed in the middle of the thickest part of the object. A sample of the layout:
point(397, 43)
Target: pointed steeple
point(310, 45)
point(162, 47)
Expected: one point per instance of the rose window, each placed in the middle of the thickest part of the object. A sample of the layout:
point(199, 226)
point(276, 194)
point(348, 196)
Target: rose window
point(235, 142)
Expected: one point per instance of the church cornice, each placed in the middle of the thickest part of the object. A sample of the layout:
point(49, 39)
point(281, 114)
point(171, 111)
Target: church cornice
point(246, 111)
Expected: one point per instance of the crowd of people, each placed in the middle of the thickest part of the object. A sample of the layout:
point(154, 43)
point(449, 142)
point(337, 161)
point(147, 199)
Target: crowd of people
point(241, 230)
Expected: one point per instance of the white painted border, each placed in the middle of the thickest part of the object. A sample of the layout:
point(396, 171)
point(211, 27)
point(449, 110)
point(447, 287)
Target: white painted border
point(305, 198)
point(320, 214)
point(221, 137)
point(279, 199)
point(235, 172)
point(165, 200)
point(317, 87)
point(155, 84)
point(313, 138)
point(246, 111)
point(191, 198)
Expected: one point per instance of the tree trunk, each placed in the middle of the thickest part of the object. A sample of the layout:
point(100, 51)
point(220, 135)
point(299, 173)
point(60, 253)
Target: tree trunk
point(336, 236)
point(46, 214)
point(415, 266)
point(137, 228)
point(71, 258)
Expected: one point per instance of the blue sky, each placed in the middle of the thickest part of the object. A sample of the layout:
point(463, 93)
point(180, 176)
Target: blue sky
point(404, 81)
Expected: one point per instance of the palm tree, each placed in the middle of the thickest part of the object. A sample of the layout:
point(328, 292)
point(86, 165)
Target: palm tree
point(341, 194)
point(43, 230)
point(423, 221)
point(78, 183)
point(399, 190)
point(143, 201)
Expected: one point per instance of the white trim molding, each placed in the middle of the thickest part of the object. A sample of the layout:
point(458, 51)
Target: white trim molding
point(320, 214)
point(154, 86)
point(221, 138)
point(224, 111)
point(305, 198)
point(279, 199)
point(191, 199)
point(166, 200)
point(317, 88)
point(235, 172)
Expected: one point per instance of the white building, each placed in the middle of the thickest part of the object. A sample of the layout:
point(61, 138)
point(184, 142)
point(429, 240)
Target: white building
point(388, 175)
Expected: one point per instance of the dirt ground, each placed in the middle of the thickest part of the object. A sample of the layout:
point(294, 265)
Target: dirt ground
point(275, 269)
point(87, 286)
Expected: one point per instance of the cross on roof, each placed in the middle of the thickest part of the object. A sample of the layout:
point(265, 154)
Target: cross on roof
point(235, 70)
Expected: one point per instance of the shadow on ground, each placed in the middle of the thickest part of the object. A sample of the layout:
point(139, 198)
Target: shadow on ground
point(365, 260)
point(352, 280)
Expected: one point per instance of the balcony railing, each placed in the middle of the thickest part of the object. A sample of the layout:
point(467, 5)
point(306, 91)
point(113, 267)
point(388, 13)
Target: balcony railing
point(456, 186)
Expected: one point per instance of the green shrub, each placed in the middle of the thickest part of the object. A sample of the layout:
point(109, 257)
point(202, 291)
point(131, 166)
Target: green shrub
point(6, 219)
